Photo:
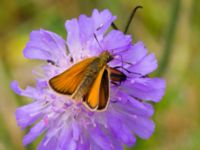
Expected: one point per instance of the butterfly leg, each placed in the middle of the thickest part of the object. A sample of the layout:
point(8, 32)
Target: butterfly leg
point(117, 67)
point(116, 83)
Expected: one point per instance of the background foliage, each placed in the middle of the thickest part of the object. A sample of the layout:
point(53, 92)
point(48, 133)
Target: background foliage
point(169, 28)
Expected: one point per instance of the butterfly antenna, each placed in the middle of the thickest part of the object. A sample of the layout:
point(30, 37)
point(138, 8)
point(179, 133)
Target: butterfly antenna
point(98, 41)
point(131, 18)
point(114, 26)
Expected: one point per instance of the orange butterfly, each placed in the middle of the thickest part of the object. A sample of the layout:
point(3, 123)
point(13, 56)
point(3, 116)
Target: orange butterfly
point(89, 81)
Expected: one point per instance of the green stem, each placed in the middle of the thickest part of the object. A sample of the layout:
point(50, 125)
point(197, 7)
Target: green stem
point(169, 38)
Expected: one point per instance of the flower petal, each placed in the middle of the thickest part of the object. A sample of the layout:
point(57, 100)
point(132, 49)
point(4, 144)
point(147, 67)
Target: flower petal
point(15, 87)
point(66, 141)
point(81, 32)
point(147, 65)
point(28, 114)
point(116, 41)
point(140, 125)
point(86, 27)
point(146, 88)
point(120, 130)
point(135, 53)
point(35, 131)
point(28, 92)
point(102, 20)
point(47, 144)
point(136, 106)
point(84, 143)
point(73, 38)
point(45, 45)
point(99, 138)
point(143, 127)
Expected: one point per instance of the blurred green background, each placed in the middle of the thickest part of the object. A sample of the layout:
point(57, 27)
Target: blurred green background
point(169, 28)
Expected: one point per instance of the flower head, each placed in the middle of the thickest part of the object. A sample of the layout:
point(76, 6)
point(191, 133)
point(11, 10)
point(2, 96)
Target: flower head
point(68, 124)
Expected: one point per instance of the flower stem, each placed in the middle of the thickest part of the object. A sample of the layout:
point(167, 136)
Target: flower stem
point(164, 62)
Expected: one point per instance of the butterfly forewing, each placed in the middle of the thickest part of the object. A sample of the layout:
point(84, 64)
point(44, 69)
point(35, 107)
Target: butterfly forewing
point(68, 81)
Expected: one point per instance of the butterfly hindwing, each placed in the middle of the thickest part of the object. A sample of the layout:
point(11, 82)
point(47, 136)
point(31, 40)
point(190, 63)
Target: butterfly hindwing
point(104, 91)
point(98, 95)
point(68, 81)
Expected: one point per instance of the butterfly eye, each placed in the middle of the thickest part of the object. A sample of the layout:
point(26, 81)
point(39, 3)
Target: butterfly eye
point(110, 58)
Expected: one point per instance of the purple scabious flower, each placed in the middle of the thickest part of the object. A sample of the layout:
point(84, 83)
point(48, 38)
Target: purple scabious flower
point(68, 124)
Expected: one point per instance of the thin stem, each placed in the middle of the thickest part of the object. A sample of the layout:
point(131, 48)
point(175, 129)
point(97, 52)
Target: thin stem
point(169, 38)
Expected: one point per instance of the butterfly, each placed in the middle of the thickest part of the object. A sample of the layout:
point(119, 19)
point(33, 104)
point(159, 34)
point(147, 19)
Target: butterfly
point(89, 80)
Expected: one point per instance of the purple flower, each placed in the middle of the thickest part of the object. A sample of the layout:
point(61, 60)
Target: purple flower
point(68, 124)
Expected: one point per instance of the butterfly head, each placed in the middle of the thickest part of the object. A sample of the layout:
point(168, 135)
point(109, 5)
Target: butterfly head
point(106, 56)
